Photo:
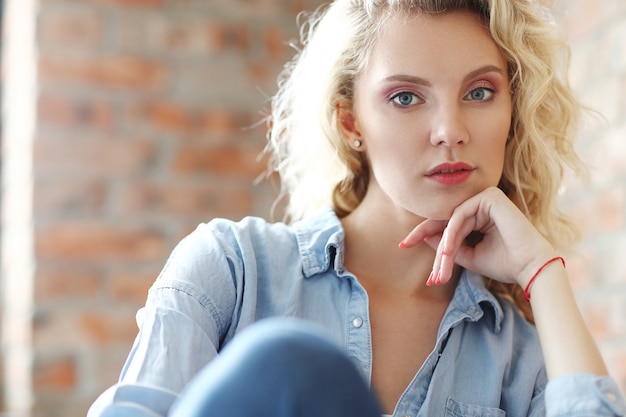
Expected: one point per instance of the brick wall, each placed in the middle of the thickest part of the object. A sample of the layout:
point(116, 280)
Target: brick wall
point(145, 115)
point(144, 109)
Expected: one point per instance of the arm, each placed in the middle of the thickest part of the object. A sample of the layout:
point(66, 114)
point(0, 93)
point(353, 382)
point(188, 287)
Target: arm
point(561, 326)
point(572, 370)
point(512, 251)
point(186, 314)
point(171, 347)
point(132, 400)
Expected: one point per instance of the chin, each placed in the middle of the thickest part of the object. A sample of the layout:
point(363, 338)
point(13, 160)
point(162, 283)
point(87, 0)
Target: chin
point(442, 216)
point(440, 209)
point(431, 212)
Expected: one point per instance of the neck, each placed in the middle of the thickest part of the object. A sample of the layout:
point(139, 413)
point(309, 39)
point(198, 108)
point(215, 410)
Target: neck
point(373, 256)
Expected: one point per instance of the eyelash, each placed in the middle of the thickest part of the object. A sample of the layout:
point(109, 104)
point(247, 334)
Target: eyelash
point(394, 96)
point(485, 87)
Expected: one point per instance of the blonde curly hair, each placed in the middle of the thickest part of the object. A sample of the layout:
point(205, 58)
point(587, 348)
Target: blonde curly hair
point(316, 166)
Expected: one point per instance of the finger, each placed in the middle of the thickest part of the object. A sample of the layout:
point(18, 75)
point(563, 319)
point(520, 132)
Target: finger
point(443, 265)
point(435, 275)
point(433, 240)
point(462, 222)
point(463, 257)
point(426, 229)
point(446, 267)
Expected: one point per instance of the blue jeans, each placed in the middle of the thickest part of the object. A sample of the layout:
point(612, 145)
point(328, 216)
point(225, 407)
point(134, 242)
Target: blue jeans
point(278, 368)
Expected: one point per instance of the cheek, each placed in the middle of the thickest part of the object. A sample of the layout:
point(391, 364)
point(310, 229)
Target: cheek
point(497, 146)
point(385, 127)
point(496, 126)
point(389, 144)
point(489, 140)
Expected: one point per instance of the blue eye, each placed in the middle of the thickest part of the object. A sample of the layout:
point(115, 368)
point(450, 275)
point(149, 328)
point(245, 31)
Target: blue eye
point(405, 99)
point(480, 94)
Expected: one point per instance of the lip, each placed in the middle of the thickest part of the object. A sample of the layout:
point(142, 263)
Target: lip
point(450, 173)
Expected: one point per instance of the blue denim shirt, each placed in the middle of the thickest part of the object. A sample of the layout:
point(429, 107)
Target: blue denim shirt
point(225, 276)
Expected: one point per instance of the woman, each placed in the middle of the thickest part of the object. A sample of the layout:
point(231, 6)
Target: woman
point(437, 132)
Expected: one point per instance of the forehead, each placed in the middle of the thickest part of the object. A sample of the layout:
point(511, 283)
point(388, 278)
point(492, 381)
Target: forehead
point(434, 43)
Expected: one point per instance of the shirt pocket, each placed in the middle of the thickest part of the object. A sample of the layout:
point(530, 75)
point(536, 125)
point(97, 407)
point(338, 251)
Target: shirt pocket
point(459, 409)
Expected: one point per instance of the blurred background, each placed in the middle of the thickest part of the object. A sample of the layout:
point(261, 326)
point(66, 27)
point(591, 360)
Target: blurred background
point(128, 122)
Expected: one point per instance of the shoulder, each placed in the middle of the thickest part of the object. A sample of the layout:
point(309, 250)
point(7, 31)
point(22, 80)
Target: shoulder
point(235, 238)
point(256, 240)
point(251, 227)
point(208, 267)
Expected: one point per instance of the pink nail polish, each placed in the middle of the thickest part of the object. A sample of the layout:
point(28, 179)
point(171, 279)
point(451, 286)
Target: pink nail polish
point(402, 245)
point(438, 278)
point(429, 281)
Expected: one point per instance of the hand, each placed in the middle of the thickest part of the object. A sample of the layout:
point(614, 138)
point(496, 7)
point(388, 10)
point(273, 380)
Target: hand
point(510, 251)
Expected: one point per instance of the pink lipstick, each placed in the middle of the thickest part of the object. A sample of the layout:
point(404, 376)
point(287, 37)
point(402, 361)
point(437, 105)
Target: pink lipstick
point(450, 173)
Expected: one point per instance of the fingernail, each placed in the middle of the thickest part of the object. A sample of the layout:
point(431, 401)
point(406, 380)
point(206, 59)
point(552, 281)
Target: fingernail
point(429, 282)
point(401, 245)
point(438, 278)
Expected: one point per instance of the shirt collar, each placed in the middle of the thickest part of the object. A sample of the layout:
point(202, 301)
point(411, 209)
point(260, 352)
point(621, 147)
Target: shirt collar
point(471, 301)
point(320, 242)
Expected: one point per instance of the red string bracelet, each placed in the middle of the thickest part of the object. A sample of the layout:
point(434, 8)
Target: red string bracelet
point(527, 289)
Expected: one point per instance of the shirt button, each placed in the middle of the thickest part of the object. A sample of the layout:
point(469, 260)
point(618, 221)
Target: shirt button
point(471, 310)
point(357, 322)
point(611, 397)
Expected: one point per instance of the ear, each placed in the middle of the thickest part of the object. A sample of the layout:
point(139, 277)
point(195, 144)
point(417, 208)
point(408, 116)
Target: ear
point(349, 126)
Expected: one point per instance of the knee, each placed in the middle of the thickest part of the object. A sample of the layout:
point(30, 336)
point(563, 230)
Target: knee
point(281, 365)
point(275, 358)
point(285, 345)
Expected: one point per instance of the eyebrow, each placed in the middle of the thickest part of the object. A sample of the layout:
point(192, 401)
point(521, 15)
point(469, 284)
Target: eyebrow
point(483, 70)
point(408, 79)
point(421, 81)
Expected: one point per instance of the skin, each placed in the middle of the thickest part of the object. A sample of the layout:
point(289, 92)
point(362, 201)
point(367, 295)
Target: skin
point(417, 110)
point(436, 91)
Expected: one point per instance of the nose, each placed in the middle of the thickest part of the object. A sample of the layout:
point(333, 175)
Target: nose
point(448, 128)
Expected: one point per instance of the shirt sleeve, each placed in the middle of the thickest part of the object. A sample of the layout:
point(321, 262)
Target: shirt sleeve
point(584, 395)
point(180, 329)
point(124, 400)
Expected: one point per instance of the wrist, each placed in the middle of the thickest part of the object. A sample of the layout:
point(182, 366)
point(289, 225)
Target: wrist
point(535, 262)
point(555, 260)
